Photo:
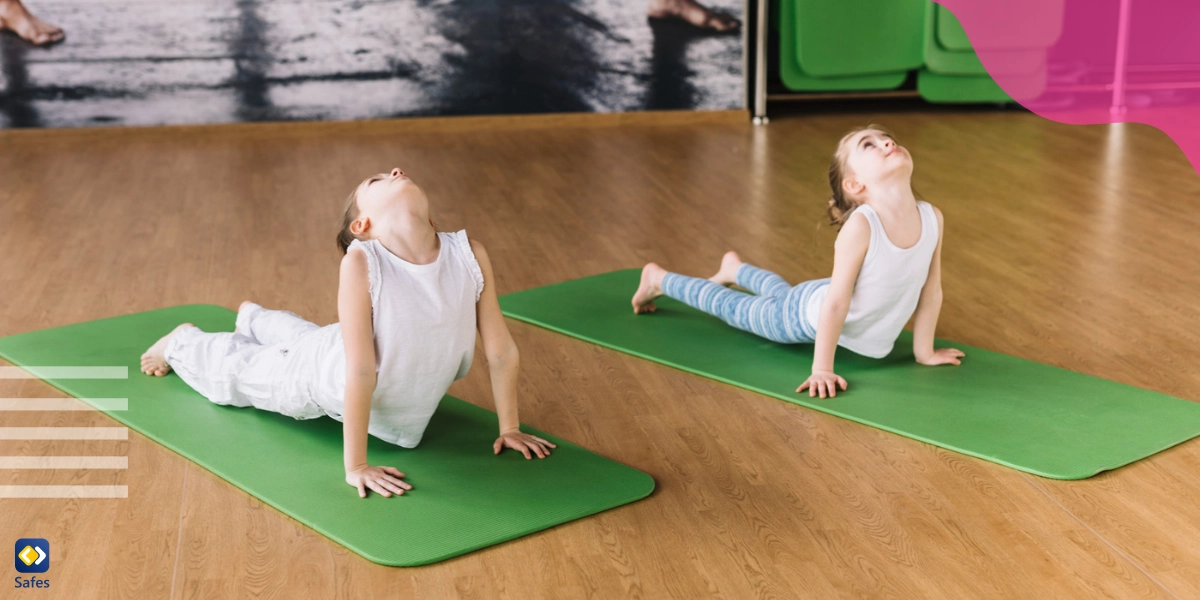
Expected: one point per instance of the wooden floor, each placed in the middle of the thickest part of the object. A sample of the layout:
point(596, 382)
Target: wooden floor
point(1071, 246)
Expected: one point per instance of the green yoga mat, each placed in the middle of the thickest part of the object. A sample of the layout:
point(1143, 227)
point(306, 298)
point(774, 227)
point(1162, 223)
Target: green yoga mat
point(1025, 415)
point(464, 497)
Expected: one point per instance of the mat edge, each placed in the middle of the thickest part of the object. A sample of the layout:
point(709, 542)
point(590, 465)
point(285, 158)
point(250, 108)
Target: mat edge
point(647, 481)
point(1030, 470)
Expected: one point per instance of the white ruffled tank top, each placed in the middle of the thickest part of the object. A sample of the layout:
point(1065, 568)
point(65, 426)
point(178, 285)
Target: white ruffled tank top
point(424, 321)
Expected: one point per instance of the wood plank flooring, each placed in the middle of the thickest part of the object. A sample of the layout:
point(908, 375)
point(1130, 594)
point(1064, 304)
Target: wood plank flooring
point(1071, 246)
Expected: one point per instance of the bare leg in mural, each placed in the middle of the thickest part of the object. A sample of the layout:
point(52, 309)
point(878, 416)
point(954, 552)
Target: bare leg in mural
point(15, 17)
point(690, 11)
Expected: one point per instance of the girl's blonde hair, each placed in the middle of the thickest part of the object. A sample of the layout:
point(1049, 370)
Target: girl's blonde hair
point(345, 237)
point(842, 206)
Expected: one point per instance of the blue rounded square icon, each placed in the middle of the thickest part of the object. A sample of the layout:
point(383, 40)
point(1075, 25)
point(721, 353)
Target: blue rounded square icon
point(32, 555)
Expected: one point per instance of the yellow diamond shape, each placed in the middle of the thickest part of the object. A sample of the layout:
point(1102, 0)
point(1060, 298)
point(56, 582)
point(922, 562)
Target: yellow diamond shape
point(28, 555)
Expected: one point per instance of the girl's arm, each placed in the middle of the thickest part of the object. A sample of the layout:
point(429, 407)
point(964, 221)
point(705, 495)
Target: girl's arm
point(849, 251)
point(503, 365)
point(928, 308)
point(354, 314)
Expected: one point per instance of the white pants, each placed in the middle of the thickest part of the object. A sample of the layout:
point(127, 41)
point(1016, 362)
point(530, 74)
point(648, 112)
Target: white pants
point(275, 361)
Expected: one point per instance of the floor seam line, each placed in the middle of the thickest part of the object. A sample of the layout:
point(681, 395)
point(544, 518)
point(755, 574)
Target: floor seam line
point(1102, 538)
point(212, 258)
point(179, 529)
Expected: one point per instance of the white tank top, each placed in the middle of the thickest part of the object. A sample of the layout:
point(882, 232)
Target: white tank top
point(888, 286)
point(424, 320)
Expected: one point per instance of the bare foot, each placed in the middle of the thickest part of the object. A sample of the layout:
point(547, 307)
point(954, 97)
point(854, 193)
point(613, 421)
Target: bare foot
point(690, 11)
point(153, 361)
point(649, 289)
point(727, 275)
point(242, 307)
point(15, 17)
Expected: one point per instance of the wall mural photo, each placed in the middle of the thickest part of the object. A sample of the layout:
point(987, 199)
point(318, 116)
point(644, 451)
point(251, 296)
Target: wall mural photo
point(75, 63)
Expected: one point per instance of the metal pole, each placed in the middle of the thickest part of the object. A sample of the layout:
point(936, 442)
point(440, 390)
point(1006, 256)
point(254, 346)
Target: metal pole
point(760, 64)
point(1117, 109)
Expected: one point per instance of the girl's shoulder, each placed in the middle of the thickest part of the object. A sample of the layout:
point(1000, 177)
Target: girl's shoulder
point(459, 243)
point(362, 246)
point(466, 249)
point(360, 253)
point(856, 231)
point(927, 205)
point(937, 213)
point(363, 251)
point(361, 262)
point(457, 238)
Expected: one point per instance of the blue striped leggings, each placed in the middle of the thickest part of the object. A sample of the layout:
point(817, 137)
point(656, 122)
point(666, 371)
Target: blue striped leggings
point(777, 311)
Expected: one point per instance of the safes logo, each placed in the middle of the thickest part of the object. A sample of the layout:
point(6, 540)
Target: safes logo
point(31, 555)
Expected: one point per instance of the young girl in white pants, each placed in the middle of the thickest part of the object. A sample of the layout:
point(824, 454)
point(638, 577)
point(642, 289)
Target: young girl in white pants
point(409, 302)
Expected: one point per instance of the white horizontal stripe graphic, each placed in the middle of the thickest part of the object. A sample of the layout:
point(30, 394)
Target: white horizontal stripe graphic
point(64, 433)
point(64, 491)
point(64, 462)
point(64, 372)
point(64, 404)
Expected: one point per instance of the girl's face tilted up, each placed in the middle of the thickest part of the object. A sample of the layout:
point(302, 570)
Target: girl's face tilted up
point(388, 202)
point(872, 159)
point(385, 205)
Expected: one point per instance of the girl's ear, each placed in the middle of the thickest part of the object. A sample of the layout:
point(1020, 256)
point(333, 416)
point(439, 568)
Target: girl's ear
point(360, 226)
point(852, 186)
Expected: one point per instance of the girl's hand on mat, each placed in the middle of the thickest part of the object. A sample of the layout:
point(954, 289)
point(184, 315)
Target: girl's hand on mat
point(943, 356)
point(523, 443)
point(384, 480)
point(822, 383)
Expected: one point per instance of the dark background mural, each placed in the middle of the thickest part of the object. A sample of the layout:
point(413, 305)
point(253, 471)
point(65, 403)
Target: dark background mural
point(143, 62)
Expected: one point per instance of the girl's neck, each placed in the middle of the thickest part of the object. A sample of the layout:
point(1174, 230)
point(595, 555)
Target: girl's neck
point(412, 240)
point(892, 197)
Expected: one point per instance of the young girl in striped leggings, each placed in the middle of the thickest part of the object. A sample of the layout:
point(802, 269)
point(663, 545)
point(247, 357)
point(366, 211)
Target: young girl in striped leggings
point(886, 268)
